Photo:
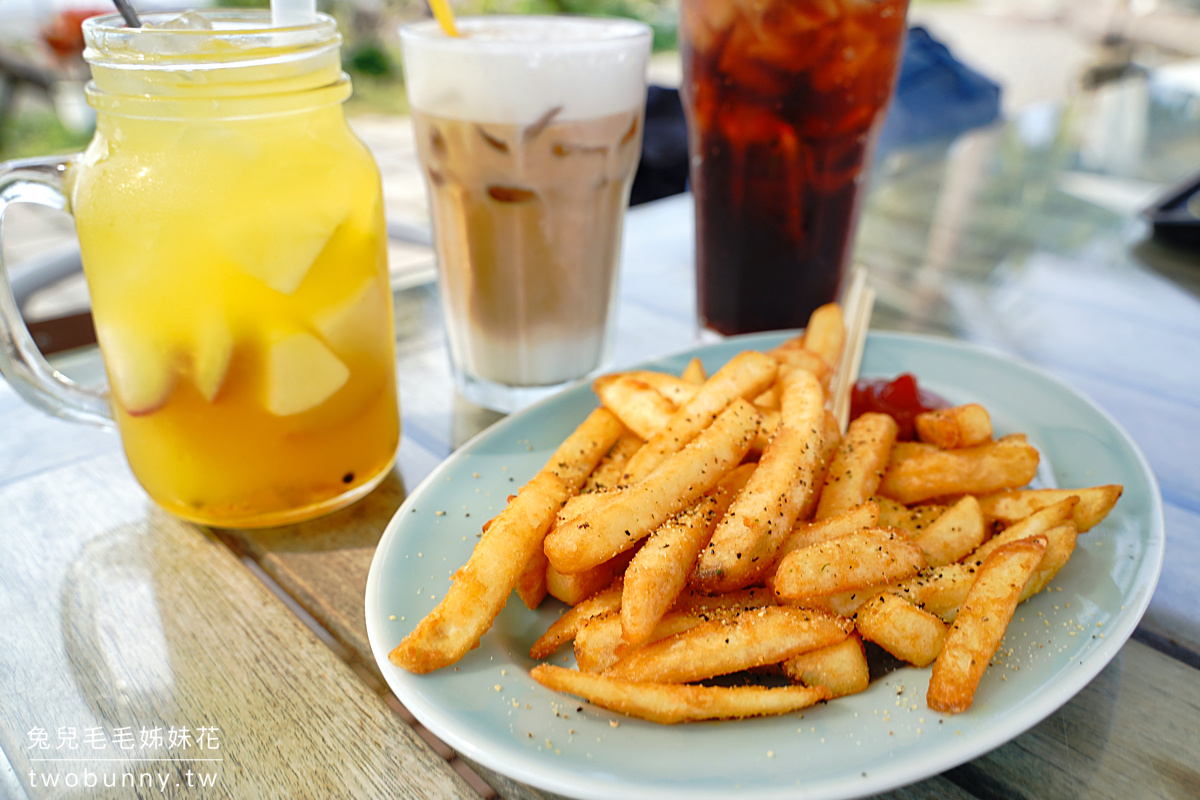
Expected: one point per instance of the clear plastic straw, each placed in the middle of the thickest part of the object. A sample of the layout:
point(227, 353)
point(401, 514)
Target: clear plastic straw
point(286, 13)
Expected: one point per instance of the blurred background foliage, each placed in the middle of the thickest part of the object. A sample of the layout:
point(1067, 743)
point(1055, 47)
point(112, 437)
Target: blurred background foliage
point(44, 115)
point(372, 52)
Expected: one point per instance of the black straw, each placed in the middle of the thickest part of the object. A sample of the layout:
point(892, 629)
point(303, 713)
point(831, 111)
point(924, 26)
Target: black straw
point(131, 17)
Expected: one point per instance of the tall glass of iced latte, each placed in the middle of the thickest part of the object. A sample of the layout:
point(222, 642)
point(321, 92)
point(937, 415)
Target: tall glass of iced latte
point(529, 131)
point(783, 100)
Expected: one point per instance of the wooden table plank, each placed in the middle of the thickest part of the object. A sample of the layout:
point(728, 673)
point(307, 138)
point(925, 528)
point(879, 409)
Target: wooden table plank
point(1131, 732)
point(938, 788)
point(323, 563)
point(115, 616)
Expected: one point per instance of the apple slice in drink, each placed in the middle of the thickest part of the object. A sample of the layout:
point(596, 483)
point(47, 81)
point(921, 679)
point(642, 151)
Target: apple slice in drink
point(302, 373)
point(279, 243)
point(212, 350)
point(141, 369)
point(282, 260)
point(354, 324)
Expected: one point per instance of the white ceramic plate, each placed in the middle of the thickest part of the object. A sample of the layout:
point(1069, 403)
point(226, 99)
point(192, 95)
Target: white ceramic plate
point(488, 708)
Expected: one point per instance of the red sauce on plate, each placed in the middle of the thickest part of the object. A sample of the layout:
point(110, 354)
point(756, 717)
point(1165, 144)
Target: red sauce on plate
point(902, 398)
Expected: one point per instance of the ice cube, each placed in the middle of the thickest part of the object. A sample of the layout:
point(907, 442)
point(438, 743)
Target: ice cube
point(187, 21)
point(170, 38)
point(302, 373)
point(533, 130)
point(510, 194)
point(494, 142)
point(707, 22)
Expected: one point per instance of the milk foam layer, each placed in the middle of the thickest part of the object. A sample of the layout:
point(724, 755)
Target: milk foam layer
point(585, 66)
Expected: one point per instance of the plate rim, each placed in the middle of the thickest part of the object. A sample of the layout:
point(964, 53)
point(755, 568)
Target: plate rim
point(570, 784)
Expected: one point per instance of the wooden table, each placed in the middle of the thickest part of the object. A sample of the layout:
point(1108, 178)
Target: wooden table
point(122, 626)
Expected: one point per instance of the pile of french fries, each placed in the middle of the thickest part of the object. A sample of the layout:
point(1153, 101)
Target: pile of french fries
point(726, 550)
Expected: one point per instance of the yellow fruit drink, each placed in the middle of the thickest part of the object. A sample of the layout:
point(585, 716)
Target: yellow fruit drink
point(233, 241)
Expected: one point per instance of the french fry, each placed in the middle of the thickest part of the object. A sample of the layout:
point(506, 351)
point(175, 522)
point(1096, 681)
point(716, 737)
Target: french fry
point(636, 403)
point(913, 519)
point(870, 557)
point(938, 590)
point(858, 465)
point(769, 399)
point(1036, 523)
point(658, 574)
point(673, 703)
point(980, 625)
point(918, 471)
point(675, 389)
point(831, 440)
point(744, 376)
point(599, 643)
point(694, 372)
point(796, 357)
point(904, 630)
point(1014, 505)
point(578, 455)
point(578, 586)
point(842, 668)
point(1060, 544)
point(581, 505)
point(607, 474)
point(564, 629)
point(744, 545)
point(531, 585)
point(740, 600)
point(633, 512)
point(766, 429)
point(954, 534)
point(845, 604)
point(791, 343)
point(480, 588)
point(949, 428)
point(751, 639)
point(804, 534)
point(825, 333)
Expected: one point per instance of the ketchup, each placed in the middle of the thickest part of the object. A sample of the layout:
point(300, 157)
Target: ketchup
point(901, 398)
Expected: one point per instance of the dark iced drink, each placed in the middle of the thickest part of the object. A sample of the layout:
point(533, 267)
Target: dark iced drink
point(783, 99)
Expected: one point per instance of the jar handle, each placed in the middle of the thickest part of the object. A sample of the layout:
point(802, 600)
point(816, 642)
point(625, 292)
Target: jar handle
point(39, 181)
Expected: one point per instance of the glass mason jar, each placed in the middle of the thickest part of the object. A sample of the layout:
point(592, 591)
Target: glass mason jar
point(232, 236)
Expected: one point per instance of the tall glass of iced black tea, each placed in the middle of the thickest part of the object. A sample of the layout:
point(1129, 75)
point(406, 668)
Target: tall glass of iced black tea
point(783, 100)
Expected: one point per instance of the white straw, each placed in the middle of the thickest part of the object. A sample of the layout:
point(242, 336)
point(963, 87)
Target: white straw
point(857, 305)
point(286, 13)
